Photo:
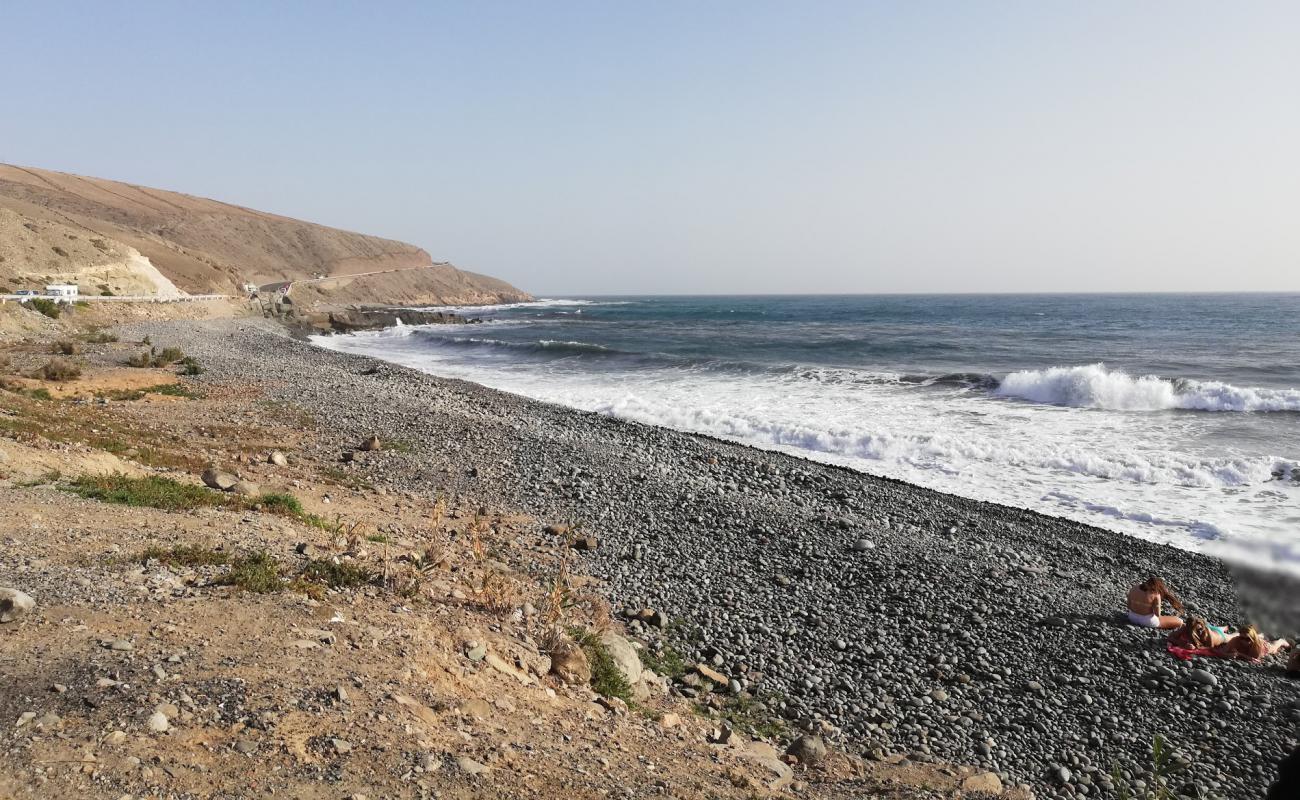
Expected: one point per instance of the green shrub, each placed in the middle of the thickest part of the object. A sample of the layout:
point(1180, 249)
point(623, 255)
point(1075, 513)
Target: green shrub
point(185, 555)
point(257, 572)
point(280, 503)
point(153, 491)
point(59, 370)
point(100, 337)
point(45, 306)
point(336, 576)
point(169, 356)
point(606, 678)
point(190, 367)
point(169, 389)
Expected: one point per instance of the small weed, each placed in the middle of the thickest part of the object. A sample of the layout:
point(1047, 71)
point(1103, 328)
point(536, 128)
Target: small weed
point(59, 370)
point(753, 717)
point(667, 662)
point(65, 347)
point(190, 367)
point(336, 576)
point(153, 491)
point(477, 527)
point(496, 593)
point(257, 572)
point(139, 360)
point(1163, 767)
point(439, 510)
point(99, 337)
point(185, 555)
point(559, 598)
point(315, 591)
point(377, 538)
point(344, 478)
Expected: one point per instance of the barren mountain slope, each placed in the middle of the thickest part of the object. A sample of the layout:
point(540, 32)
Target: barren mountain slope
point(208, 246)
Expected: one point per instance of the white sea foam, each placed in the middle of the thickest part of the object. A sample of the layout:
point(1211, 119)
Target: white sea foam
point(1094, 386)
point(1076, 451)
point(541, 303)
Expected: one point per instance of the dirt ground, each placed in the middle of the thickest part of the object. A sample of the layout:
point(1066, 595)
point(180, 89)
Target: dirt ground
point(143, 673)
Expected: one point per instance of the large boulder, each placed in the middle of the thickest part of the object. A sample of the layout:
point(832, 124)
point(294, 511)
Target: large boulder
point(14, 604)
point(216, 479)
point(808, 749)
point(983, 782)
point(246, 488)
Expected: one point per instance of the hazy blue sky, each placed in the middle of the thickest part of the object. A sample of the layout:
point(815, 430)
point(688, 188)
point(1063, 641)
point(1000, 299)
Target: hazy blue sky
point(585, 147)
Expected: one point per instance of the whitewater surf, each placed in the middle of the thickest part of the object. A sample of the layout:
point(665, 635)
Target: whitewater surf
point(1173, 418)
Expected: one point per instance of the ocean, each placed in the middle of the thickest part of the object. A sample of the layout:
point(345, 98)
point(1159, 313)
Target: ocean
point(1174, 418)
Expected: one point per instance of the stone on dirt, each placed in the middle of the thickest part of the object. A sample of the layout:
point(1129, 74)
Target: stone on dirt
point(808, 749)
point(569, 663)
point(14, 604)
point(214, 478)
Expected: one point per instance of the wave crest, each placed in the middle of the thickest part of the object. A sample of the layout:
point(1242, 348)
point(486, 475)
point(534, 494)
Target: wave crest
point(1094, 386)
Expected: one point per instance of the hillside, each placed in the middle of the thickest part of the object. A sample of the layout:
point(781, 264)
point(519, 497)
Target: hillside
point(72, 227)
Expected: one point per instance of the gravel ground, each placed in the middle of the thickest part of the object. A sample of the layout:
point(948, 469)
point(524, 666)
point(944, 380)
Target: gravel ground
point(912, 621)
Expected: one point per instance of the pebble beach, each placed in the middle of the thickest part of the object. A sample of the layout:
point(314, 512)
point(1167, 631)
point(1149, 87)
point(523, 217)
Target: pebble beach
point(899, 619)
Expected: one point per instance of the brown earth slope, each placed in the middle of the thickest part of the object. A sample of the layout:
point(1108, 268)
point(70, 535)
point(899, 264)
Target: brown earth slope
point(206, 246)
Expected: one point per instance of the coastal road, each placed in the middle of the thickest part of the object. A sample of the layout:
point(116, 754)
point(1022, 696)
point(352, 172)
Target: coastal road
point(287, 286)
point(140, 298)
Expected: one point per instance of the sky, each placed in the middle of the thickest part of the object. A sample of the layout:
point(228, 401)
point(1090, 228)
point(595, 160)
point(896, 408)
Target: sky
point(717, 147)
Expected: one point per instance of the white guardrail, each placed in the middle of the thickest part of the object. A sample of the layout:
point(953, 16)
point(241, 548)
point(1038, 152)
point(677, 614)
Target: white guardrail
point(143, 298)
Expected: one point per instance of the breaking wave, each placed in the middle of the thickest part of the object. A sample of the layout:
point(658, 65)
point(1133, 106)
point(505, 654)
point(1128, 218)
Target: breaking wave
point(542, 303)
point(1094, 386)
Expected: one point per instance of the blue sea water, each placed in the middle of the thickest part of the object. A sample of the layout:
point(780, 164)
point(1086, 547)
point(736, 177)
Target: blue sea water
point(1171, 417)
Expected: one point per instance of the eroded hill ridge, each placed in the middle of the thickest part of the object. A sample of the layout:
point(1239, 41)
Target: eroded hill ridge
point(113, 237)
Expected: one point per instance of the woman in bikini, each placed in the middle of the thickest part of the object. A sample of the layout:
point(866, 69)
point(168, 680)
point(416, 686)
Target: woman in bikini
point(1198, 634)
point(1144, 605)
point(1250, 646)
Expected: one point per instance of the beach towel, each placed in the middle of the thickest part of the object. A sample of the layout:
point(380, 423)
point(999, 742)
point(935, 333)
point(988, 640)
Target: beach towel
point(1188, 653)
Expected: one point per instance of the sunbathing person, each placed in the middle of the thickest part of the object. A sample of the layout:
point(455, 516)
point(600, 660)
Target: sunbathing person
point(1249, 645)
point(1198, 634)
point(1144, 605)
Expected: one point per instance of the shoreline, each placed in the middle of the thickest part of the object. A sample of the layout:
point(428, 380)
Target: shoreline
point(700, 527)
